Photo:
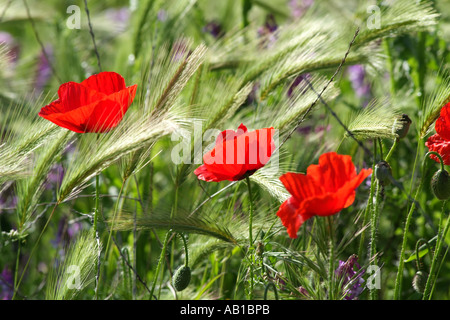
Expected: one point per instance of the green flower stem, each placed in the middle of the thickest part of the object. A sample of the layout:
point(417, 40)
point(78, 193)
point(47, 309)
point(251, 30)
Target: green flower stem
point(34, 249)
point(331, 256)
point(116, 209)
point(367, 211)
point(399, 278)
point(391, 151)
point(96, 235)
point(429, 287)
point(250, 236)
point(373, 232)
point(186, 260)
point(161, 259)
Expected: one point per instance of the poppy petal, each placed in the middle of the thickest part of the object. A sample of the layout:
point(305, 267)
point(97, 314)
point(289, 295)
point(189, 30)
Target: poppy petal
point(74, 120)
point(237, 154)
point(292, 217)
point(52, 113)
point(333, 202)
point(105, 82)
point(203, 173)
point(231, 134)
point(300, 185)
point(73, 95)
point(333, 171)
point(442, 125)
point(437, 144)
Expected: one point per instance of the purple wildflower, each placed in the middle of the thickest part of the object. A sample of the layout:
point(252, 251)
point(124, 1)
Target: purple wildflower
point(44, 71)
point(11, 45)
point(6, 284)
point(214, 29)
point(357, 76)
point(120, 18)
point(299, 7)
point(299, 80)
point(67, 230)
point(55, 176)
point(8, 199)
point(179, 50)
point(162, 15)
point(267, 32)
point(351, 279)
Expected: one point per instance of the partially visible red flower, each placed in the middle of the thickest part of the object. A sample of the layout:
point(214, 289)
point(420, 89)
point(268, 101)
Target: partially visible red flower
point(237, 154)
point(97, 104)
point(324, 190)
point(442, 125)
point(438, 144)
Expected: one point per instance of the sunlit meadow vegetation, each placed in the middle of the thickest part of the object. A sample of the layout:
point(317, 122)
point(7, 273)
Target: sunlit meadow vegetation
point(125, 214)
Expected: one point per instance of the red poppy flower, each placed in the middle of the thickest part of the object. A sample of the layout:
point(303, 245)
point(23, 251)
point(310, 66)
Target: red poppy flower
point(442, 125)
point(324, 190)
point(97, 104)
point(440, 142)
point(440, 145)
point(237, 154)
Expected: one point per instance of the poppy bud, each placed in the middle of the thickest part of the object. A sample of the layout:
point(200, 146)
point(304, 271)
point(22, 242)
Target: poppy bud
point(419, 281)
point(401, 126)
point(383, 173)
point(181, 278)
point(440, 185)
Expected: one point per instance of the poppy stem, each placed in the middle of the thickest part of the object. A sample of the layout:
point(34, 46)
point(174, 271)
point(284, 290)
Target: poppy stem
point(250, 235)
point(373, 233)
point(391, 151)
point(369, 201)
point(161, 258)
point(91, 31)
point(429, 287)
point(96, 235)
point(399, 279)
point(16, 289)
point(331, 257)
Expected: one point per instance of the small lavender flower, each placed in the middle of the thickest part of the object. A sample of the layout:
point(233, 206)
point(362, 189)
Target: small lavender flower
point(357, 76)
point(9, 42)
point(6, 284)
point(351, 279)
point(299, 7)
point(8, 199)
point(297, 82)
point(162, 15)
point(119, 18)
point(44, 71)
point(67, 230)
point(214, 29)
point(55, 176)
point(267, 32)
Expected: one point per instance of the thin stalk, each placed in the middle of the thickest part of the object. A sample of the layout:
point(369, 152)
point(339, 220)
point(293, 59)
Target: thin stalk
point(399, 278)
point(91, 31)
point(34, 249)
point(96, 235)
point(111, 228)
point(391, 151)
point(429, 287)
point(186, 259)
point(387, 49)
point(369, 203)
point(250, 236)
point(331, 257)
point(373, 233)
point(161, 258)
point(16, 271)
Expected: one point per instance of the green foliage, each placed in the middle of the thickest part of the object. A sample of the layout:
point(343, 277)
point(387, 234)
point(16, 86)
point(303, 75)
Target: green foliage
point(220, 64)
